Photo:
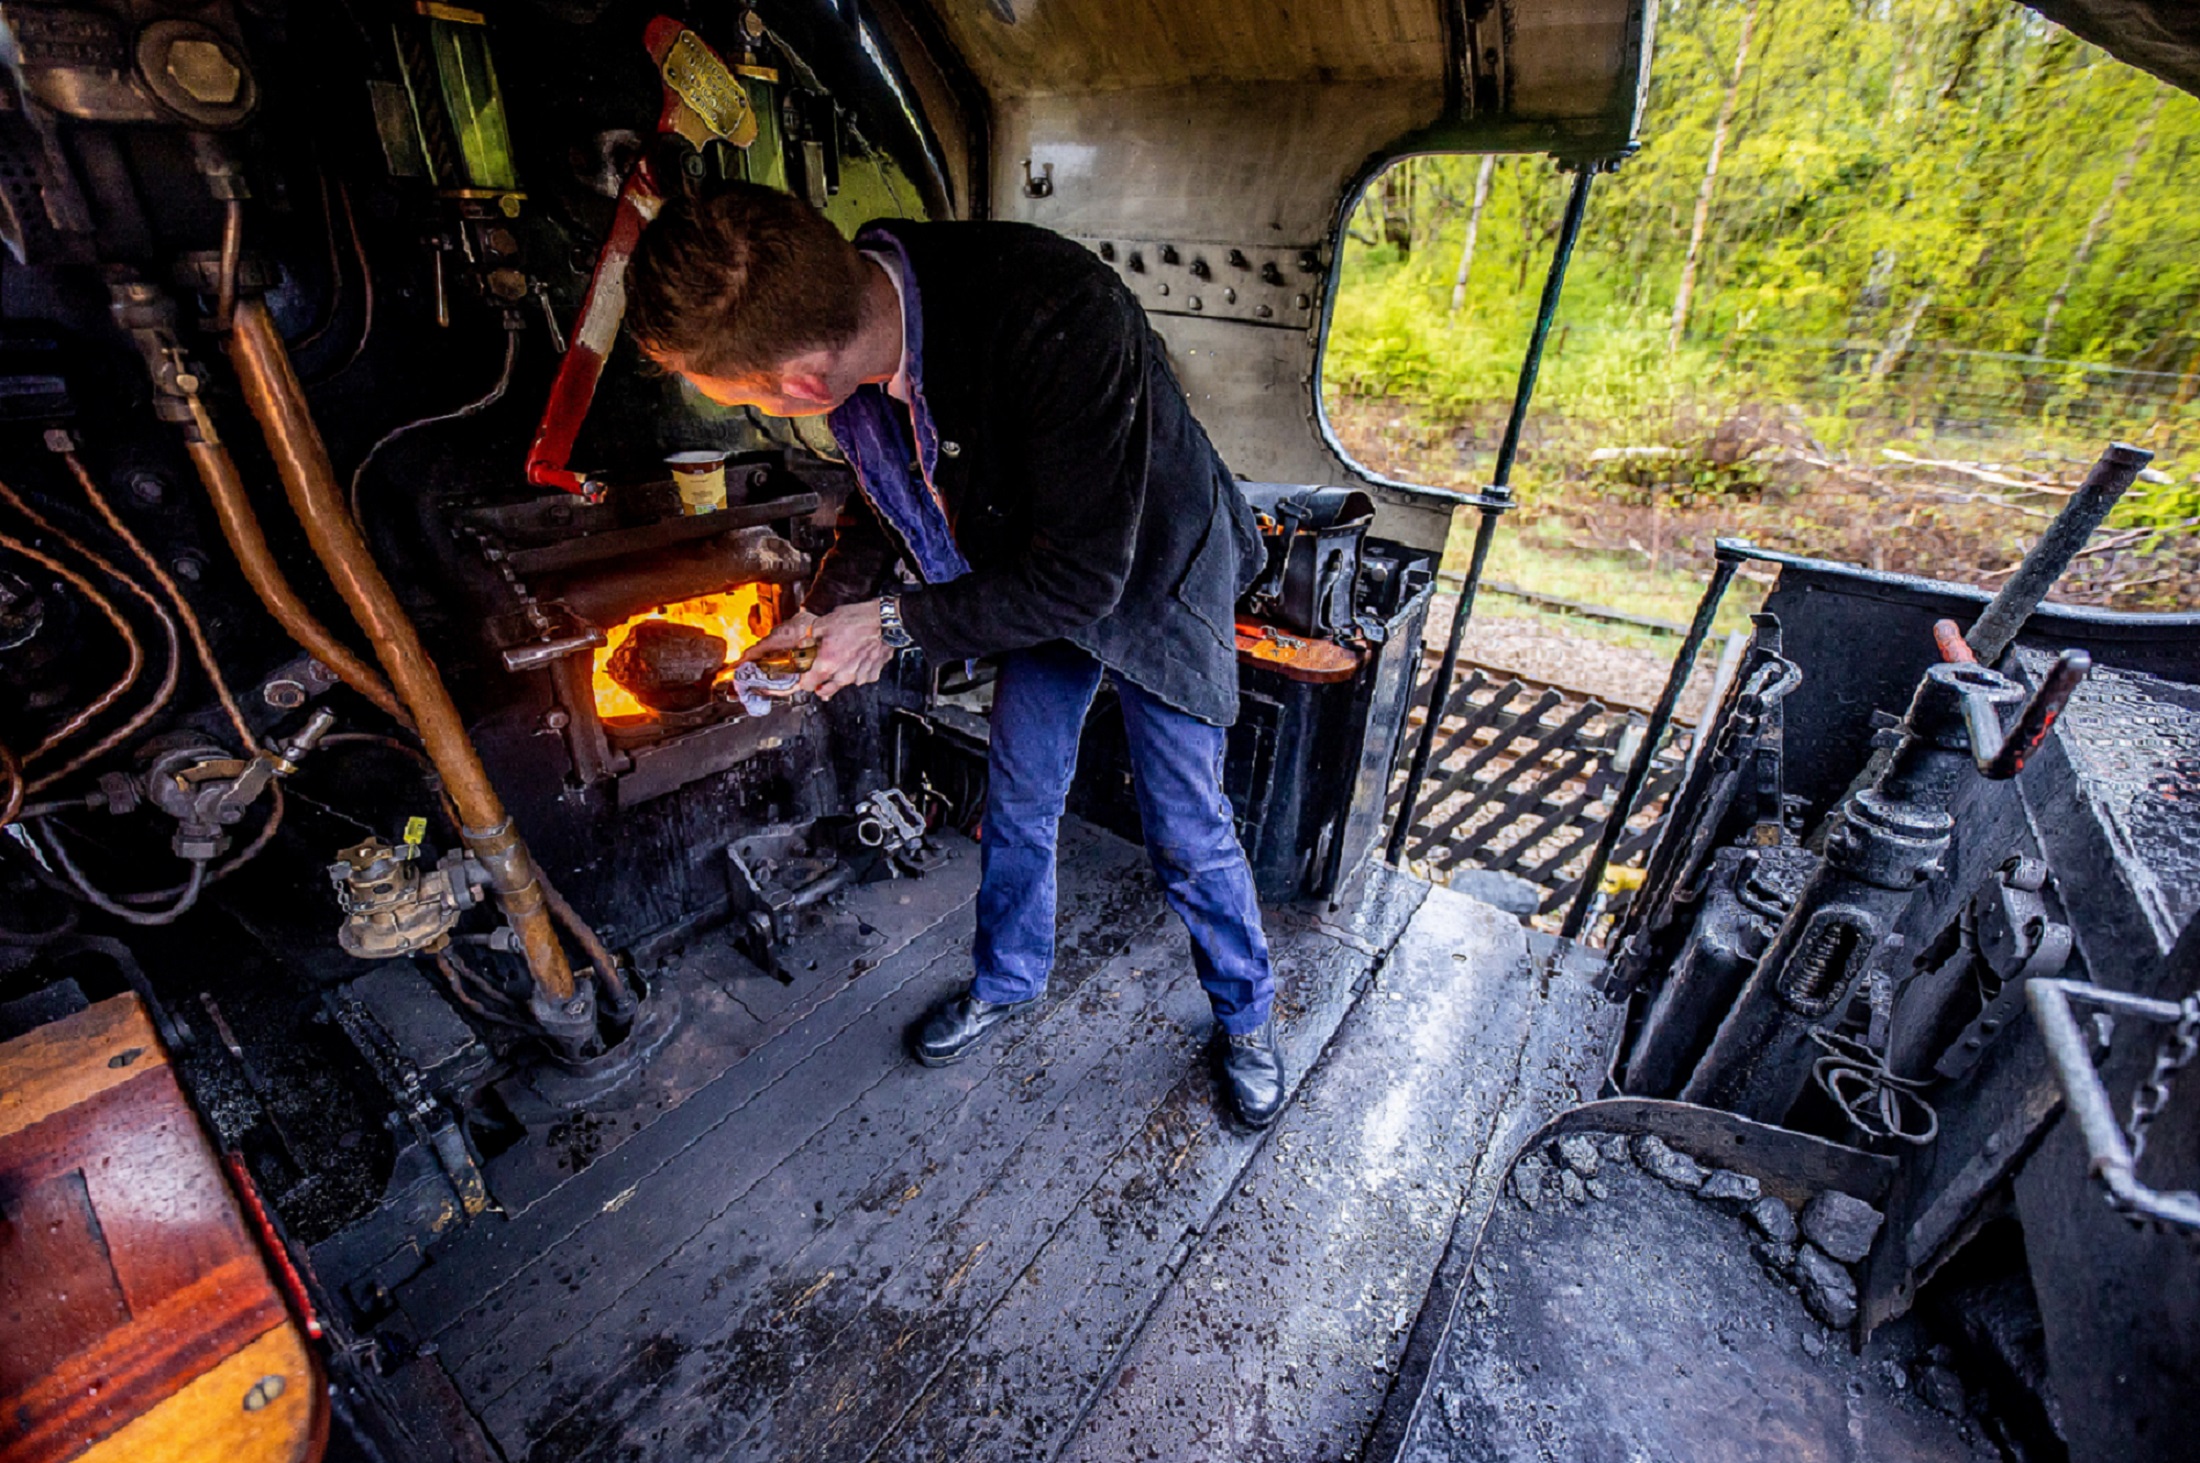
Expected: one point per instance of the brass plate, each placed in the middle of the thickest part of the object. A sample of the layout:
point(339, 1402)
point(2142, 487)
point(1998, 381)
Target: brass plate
point(719, 104)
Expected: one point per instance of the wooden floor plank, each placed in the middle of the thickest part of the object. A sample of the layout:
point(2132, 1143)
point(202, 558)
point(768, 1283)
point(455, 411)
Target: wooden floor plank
point(468, 1272)
point(1121, 1180)
point(787, 1093)
point(892, 1167)
point(1034, 1362)
point(1277, 1338)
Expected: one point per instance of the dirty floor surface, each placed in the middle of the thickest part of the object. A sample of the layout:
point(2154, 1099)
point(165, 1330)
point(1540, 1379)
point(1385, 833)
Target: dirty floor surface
point(816, 1249)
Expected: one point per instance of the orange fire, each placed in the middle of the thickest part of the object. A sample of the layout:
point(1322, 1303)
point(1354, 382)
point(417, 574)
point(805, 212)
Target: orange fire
point(740, 617)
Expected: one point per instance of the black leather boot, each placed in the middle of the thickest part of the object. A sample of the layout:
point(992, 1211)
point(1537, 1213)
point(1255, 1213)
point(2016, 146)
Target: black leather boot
point(1252, 1071)
point(956, 1025)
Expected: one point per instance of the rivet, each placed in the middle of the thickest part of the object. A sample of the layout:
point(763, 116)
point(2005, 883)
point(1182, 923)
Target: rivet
point(950, 449)
point(1161, 289)
point(1193, 302)
point(264, 1391)
point(1229, 297)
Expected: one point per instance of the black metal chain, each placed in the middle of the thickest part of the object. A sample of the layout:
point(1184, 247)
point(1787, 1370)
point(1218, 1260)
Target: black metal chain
point(2176, 1050)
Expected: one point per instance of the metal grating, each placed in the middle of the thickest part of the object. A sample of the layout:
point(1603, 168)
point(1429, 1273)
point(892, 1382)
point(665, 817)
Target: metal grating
point(1524, 775)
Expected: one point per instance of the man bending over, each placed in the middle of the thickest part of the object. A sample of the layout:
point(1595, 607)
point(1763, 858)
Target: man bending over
point(1034, 489)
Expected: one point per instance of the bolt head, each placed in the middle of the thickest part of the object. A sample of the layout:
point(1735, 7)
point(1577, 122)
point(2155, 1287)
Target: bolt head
point(283, 695)
point(205, 73)
point(557, 719)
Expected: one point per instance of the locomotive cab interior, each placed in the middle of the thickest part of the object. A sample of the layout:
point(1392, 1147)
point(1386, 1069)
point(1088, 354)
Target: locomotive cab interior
point(502, 994)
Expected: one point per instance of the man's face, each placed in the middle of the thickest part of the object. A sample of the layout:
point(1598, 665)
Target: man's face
point(805, 386)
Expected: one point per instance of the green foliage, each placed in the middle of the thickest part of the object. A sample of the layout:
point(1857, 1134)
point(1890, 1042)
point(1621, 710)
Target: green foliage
point(1901, 177)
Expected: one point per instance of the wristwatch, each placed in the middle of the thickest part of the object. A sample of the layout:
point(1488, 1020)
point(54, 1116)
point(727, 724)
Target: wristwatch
point(890, 627)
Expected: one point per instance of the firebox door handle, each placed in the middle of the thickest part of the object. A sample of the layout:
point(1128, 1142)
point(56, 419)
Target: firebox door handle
point(2002, 756)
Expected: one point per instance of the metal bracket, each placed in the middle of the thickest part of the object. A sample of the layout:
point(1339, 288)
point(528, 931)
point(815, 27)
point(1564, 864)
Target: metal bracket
point(2108, 1151)
point(2006, 925)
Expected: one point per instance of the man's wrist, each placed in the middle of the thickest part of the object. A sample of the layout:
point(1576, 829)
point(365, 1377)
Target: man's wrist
point(890, 627)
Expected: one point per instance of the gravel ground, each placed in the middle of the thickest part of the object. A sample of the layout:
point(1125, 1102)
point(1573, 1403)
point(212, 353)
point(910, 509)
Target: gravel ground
point(1542, 648)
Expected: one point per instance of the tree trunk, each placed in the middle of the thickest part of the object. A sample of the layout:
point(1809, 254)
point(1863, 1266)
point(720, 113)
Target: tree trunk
point(1711, 176)
point(1898, 344)
point(1474, 225)
point(1396, 187)
point(2093, 229)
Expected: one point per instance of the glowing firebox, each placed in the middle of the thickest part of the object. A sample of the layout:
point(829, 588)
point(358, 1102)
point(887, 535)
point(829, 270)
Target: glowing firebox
point(740, 617)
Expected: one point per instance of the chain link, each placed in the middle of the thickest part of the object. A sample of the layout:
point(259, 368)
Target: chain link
point(2176, 1050)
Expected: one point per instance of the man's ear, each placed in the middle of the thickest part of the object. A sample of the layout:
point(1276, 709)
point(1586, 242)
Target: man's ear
point(809, 378)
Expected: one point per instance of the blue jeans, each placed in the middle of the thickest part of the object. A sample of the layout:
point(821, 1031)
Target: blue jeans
point(1039, 709)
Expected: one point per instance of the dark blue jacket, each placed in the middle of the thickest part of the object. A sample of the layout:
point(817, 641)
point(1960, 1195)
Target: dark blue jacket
point(1088, 501)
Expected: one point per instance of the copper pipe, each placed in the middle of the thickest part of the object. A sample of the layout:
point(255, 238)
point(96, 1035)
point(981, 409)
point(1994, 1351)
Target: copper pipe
point(241, 526)
point(608, 975)
point(106, 607)
point(200, 645)
point(12, 768)
point(225, 298)
point(272, 390)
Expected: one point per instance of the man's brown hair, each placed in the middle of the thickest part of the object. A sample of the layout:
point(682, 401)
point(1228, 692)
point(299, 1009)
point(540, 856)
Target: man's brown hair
point(734, 284)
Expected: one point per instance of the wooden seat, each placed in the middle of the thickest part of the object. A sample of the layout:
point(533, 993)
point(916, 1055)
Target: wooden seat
point(138, 1316)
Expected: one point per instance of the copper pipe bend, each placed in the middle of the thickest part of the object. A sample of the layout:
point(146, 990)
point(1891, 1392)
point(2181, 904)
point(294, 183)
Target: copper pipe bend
point(273, 392)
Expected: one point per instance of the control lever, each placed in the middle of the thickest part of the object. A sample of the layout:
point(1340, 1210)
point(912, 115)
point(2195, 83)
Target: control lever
point(207, 795)
point(2001, 756)
point(703, 101)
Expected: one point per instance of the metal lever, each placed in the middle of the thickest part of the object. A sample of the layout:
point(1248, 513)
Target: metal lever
point(1998, 626)
point(2108, 1149)
point(702, 101)
point(2001, 756)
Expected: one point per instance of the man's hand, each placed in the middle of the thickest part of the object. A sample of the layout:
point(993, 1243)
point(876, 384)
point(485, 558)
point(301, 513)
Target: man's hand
point(797, 630)
point(850, 649)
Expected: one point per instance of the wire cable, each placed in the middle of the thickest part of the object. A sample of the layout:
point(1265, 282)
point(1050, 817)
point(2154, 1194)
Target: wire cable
point(473, 408)
point(336, 289)
point(91, 894)
point(200, 645)
point(366, 281)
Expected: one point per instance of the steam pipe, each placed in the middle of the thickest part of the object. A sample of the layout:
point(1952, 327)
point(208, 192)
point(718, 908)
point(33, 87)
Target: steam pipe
point(272, 390)
point(608, 975)
point(200, 645)
point(241, 526)
point(167, 623)
point(232, 259)
point(135, 652)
